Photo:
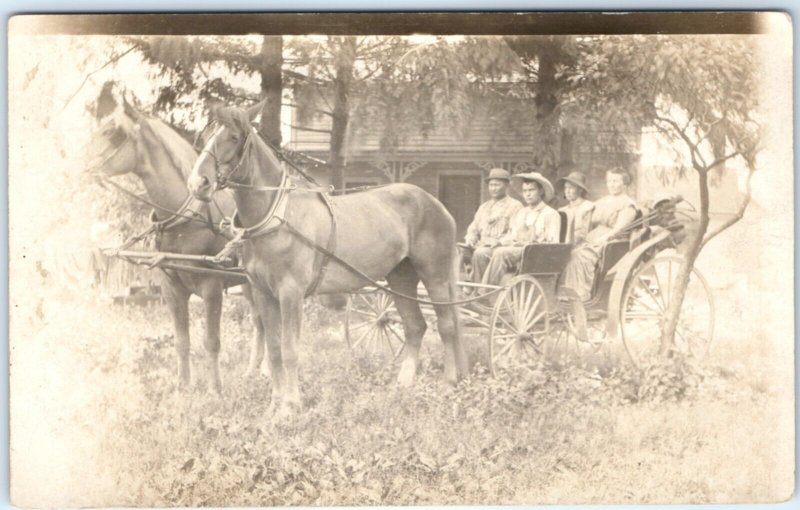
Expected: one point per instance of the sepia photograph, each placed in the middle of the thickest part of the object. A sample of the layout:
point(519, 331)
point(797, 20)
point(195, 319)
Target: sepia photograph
point(401, 259)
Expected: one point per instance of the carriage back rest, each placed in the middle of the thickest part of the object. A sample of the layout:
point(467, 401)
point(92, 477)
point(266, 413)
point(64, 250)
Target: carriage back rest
point(615, 250)
point(543, 259)
point(612, 253)
point(562, 233)
point(639, 234)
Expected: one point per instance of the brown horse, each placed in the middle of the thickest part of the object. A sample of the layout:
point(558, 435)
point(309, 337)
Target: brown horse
point(398, 232)
point(127, 141)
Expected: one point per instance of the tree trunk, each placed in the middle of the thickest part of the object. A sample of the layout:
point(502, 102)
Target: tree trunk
point(546, 101)
point(271, 87)
point(567, 152)
point(345, 61)
point(672, 314)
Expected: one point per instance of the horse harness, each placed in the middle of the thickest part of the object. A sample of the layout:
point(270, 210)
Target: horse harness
point(275, 218)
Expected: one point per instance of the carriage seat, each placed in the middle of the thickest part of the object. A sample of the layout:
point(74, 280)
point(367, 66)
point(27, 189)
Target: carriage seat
point(613, 251)
point(547, 259)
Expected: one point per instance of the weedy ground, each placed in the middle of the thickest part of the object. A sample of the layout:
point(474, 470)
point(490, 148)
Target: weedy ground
point(97, 420)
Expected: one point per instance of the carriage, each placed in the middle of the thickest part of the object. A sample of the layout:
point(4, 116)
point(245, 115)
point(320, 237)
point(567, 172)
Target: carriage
point(528, 317)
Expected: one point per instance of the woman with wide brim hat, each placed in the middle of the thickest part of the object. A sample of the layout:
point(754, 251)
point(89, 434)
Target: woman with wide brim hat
point(577, 179)
point(518, 180)
point(577, 209)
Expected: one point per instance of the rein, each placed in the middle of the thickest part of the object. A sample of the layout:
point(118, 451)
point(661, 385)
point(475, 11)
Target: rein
point(275, 218)
point(114, 152)
point(175, 214)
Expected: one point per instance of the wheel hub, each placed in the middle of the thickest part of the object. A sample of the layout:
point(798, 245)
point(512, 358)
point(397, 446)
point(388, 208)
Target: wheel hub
point(525, 337)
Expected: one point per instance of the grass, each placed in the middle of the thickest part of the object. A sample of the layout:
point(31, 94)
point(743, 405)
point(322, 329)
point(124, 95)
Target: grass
point(96, 420)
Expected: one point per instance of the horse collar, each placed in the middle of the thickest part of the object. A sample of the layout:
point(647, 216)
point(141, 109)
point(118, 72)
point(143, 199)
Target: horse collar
point(272, 220)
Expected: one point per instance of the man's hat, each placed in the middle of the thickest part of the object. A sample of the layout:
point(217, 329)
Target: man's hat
point(576, 178)
point(518, 179)
point(499, 174)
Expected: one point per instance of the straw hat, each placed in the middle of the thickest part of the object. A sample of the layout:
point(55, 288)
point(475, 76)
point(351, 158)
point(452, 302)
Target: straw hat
point(576, 178)
point(518, 179)
point(499, 174)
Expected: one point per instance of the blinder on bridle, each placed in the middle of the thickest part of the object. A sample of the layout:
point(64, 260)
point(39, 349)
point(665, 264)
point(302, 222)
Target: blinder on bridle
point(117, 141)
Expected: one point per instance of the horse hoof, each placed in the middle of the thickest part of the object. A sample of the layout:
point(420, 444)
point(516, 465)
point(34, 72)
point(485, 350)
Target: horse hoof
point(405, 378)
point(407, 372)
point(183, 387)
point(288, 410)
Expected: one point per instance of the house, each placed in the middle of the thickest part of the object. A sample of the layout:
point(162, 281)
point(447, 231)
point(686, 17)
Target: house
point(451, 166)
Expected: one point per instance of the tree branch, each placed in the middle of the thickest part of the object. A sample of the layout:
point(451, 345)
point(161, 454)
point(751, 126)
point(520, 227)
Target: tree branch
point(318, 110)
point(724, 159)
point(300, 128)
point(692, 147)
point(300, 76)
point(86, 78)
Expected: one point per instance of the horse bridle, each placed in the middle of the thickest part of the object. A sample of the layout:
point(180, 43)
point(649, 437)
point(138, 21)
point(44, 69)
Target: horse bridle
point(118, 147)
point(224, 180)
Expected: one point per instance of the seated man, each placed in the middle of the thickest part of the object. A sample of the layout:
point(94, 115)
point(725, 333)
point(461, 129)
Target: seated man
point(491, 221)
point(537, 222)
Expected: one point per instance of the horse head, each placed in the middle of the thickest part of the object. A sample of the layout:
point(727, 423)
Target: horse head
point(112, 146)
point(221, 158)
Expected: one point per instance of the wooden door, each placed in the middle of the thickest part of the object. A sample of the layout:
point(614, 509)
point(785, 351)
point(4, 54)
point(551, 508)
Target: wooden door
point(461, 195)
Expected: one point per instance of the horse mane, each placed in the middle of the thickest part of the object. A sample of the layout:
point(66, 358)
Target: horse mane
point(179, 151)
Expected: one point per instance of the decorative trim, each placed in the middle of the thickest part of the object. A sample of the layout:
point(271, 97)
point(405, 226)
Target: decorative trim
point(513, 167)
point(486, 165)
point(398, 171)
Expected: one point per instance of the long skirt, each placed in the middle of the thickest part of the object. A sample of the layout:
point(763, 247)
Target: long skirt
point(579, 273)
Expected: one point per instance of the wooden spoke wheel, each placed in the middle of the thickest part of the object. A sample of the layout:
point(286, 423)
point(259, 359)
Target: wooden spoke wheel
point(644, 306)
point(519, 324)
point(373, 326)
point(569, 344)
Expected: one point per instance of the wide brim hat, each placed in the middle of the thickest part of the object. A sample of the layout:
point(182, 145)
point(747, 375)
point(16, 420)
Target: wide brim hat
point(518, 179)
point(576, 178)
point(498, 174)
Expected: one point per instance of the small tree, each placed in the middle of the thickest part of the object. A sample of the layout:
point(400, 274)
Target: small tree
point(697, 90)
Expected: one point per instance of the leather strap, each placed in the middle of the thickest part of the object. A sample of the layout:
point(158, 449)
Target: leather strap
point(331, 247)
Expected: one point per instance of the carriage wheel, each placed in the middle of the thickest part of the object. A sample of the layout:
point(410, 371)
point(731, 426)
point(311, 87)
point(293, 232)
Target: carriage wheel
point(644, 308)
point(372, 325)
point(519, 325)
point(567, 345)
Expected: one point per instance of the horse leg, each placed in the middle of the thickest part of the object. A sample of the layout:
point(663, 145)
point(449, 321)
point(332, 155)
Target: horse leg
point(269, 312)
point(178, 303)
point(257, 343)
point(291, 309)
point(404, 279)
point(211, 292)
point(440, 280)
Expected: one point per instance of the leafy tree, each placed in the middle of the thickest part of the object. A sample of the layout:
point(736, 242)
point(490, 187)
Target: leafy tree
point(697, 90)
point(544, 59)
point(204, 70)
point(333, 77)
point(403, 86)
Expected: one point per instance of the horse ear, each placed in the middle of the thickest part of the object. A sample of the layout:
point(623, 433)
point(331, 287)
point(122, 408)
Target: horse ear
point(254, 110)
point(242, 119)
point(106, 102)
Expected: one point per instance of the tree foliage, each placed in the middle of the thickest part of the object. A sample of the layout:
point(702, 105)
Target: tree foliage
point(700, 91)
